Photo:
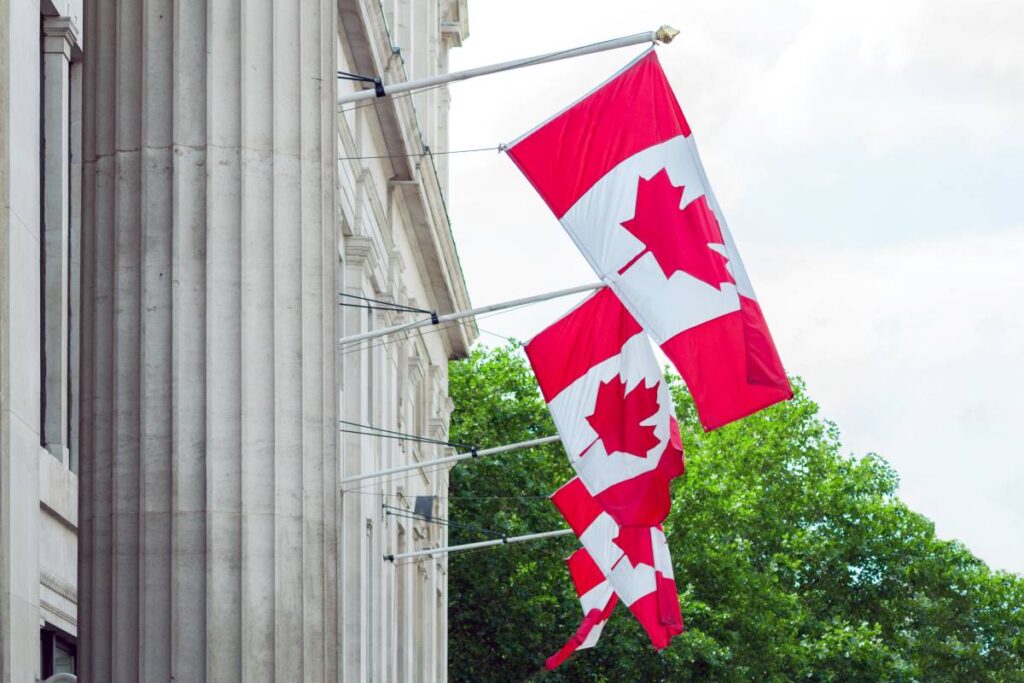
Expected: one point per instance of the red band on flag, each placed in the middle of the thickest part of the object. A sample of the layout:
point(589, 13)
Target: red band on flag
point(567, 350)
point(577, 505)
point(646, 500)
point(564, 158)
point(658, 615)
point(730, 365)
point(584, 571)
point(593, 618)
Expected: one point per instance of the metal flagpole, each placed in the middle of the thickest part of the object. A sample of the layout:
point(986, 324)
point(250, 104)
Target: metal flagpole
point(458, 315)
point(451, 458)
point(665, 34)
point(479, 544)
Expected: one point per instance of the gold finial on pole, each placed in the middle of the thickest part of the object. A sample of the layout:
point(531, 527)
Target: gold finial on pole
point(666, 33)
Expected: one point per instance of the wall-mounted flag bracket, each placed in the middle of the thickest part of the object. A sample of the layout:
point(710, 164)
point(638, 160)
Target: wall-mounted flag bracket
point(435, 319)
point(665, 34)
point(479, 544)
point(474, 453)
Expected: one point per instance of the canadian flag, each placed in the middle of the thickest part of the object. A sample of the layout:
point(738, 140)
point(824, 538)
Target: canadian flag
point(608, 398)
point(598, 600)
point(634, 564)
point(620, 170)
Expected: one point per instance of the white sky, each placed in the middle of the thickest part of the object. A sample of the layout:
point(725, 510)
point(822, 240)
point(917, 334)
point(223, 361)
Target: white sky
point(868, 159)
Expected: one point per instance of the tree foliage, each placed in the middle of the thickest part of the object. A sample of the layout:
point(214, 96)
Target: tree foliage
point(794, 561)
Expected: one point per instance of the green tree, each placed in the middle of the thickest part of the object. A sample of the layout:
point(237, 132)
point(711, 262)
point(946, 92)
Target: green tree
point(794, 561)
point(496, 595)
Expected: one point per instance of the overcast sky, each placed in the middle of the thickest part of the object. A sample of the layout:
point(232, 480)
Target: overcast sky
point(869, 160)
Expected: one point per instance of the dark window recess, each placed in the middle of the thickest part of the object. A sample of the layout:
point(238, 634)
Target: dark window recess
point(42, 249)
point(424, 506)
point(57, 652)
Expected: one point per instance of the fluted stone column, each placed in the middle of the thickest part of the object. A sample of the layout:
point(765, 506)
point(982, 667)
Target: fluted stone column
point(208, 540)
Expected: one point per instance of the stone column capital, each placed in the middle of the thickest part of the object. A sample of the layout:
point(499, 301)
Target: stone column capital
point(61, 36)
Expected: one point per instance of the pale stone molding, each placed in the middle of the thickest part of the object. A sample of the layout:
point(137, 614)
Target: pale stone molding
point(416, 371)
point(58, 490)
point(455, 23)
point(61, 36)
point(47, 606)
point(361, 252)
point(396, 268)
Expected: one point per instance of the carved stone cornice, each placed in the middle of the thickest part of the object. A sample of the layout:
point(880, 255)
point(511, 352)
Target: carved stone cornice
point(61, 588)
point(361, 252)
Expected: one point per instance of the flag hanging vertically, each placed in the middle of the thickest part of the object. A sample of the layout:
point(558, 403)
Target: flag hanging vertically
point(621, 172)
point(634, 560)
point(608, 398)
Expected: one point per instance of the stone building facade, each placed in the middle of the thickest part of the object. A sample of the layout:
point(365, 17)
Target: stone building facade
point(184, 210)
point(398, 248)
point(40, 91)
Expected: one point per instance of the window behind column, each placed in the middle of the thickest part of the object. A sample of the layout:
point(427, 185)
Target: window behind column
point(57, 651)
point(59, 196)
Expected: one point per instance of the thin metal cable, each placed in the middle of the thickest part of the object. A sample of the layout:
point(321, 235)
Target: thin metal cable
point(390, 304)
point(378, 100)
point(425, 468)
point(526, 498)
point(396, 437)
point(549, 551)
point(406, 514)
point(395, 336)
point(501, 336)
point(390, 338)
point(371, 307)
point(347, 76)
point(370, 430)
point(425, 152)
point(392, 432)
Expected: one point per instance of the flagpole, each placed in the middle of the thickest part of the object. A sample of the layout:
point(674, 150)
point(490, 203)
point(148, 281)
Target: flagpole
point(451, 458)
point(665, 34)
point(458, 315)
point(479, 544)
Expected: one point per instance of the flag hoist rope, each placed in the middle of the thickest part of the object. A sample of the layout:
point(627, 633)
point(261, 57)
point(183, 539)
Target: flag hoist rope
point(458, 315)
point(451, 458)
point(479, 544)
point(665, 34)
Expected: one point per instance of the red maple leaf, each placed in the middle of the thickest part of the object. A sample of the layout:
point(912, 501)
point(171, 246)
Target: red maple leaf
point(678, 239)
point(636, 543)
point(617, 417)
